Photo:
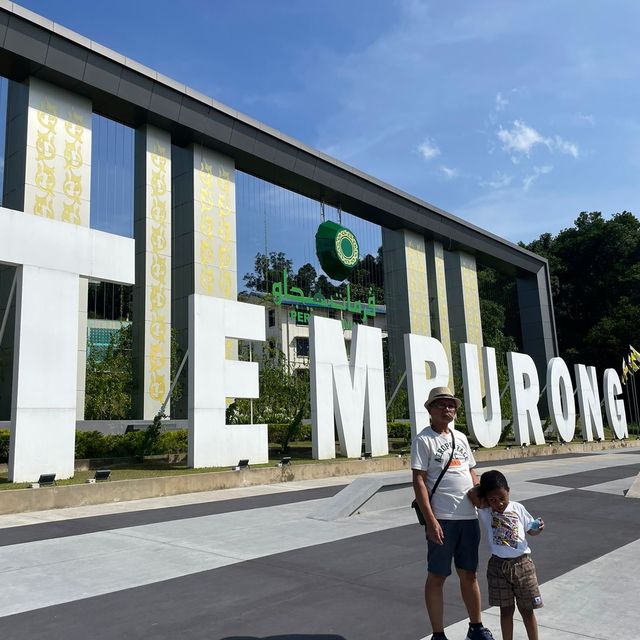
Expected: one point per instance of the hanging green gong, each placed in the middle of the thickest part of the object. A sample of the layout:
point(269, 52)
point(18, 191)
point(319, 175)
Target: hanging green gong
point(337, 249)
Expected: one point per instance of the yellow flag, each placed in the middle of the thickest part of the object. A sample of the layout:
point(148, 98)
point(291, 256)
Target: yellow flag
point(625, 371)
point(635, 353)
point(633, 365)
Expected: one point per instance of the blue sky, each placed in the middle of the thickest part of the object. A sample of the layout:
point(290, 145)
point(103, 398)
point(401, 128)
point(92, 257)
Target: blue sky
point(515, 116)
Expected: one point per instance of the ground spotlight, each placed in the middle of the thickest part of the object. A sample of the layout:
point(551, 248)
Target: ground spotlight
point(242, 465)
point(45, 480)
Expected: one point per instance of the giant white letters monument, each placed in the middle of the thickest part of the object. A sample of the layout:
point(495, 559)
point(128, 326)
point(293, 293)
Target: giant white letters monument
point(185, 199)
point(50, 257)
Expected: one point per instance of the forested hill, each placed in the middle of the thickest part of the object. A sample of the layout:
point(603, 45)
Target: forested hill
point(595, 278)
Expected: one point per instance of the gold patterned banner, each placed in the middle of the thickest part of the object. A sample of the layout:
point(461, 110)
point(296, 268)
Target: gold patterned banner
point(58, 154)
point(158, 303)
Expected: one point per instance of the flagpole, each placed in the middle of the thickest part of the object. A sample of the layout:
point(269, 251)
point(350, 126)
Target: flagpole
point(632, 409)
point(627, 404)
point(630, 395)
point(632, 360)
point(635, 399)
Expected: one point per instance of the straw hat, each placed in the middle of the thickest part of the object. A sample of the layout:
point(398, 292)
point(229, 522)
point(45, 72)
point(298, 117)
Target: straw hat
point(441, 392)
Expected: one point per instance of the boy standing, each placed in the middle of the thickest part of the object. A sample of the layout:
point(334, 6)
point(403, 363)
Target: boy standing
point(511, 573)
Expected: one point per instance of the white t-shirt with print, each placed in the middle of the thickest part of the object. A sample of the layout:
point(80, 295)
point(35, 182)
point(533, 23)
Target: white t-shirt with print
point(506, 531)
point(430, 452)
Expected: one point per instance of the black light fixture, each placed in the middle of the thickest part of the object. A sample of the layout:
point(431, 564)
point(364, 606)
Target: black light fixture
point(242, 465)
point(130, 428)
point(365, 455)
point(102, 475)
point(47, 479)
point(286, 460)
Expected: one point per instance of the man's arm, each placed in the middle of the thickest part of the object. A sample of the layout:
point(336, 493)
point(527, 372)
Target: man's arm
point(433, 528)
point(474, 494)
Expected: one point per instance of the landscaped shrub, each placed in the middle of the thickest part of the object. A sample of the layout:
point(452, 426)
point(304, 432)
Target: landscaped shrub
point(277, 432)
point(4, 445)
point(93, 444)
point(174, 441)
point(125, 445)
point(399, 430)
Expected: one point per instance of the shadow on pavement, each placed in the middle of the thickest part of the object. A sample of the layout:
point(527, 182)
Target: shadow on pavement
point(289, 636)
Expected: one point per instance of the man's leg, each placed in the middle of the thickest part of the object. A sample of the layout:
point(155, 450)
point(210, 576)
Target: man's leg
point(439, 558)
point(466, 560)
point(470, 590)
point(434, 599)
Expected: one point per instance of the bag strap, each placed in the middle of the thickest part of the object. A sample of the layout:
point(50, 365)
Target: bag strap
point(446, 466)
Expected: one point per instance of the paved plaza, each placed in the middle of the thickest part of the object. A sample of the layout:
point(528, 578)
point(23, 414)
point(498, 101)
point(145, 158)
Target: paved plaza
point(249, 563)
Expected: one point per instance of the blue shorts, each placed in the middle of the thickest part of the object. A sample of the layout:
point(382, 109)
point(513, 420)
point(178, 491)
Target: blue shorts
point(461, 541)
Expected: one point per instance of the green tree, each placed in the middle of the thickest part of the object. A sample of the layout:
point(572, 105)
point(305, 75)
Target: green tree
point(284, 397)
point(305, 279)
point(267, 269)
point(109, 382)
point(595, 279)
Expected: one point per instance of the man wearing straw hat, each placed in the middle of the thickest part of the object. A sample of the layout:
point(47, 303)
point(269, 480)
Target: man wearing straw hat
point(442, 465)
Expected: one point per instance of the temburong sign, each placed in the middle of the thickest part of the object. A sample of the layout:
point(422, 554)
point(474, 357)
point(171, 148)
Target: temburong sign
point(349, 390)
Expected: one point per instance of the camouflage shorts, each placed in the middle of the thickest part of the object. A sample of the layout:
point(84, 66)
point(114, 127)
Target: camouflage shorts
point(511, 578)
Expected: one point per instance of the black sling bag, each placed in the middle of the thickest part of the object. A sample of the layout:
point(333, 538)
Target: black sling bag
point(414, 504)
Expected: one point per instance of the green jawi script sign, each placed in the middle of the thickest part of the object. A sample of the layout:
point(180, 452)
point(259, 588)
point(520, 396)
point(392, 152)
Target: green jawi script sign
point(284, 294)
point(337, 250)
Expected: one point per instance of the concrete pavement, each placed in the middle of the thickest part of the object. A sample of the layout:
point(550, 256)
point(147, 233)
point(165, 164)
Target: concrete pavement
point(250, 563)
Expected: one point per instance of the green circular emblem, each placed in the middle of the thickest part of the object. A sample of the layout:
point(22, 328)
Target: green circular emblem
point(347, 248)
point(337, 249)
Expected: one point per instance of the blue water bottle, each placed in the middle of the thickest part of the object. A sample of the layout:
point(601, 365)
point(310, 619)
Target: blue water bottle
point(535, 525)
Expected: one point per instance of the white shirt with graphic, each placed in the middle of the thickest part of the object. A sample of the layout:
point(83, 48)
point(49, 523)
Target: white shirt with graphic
point(430, 452)
point(506, 531)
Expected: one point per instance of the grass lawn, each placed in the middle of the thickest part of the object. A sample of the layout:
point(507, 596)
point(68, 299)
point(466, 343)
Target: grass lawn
point(300, 453)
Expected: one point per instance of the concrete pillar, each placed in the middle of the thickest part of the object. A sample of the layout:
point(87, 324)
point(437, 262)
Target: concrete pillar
point(204, 236)
point(536, 319)
point(406, 292)
point(152, 292)
point(438, 303)
point(48, 172)
point(463, 298)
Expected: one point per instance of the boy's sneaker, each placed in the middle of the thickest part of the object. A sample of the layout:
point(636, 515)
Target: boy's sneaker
point(479, 633)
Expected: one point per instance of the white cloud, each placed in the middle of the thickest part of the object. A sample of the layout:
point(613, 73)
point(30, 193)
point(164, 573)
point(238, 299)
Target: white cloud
point(498, 180)
point(501, 102)
point(449, 173)
point(527, 181)
point(521, 139)
point(586, 118)
point(429, 149)
point(566, 147)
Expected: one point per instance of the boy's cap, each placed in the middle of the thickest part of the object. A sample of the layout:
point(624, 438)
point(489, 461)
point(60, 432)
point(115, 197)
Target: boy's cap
point(438, 393)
